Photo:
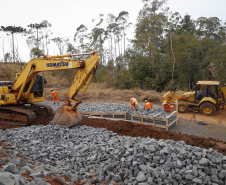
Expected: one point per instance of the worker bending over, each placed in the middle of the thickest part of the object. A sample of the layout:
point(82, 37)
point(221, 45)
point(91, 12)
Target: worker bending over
point(54, 95)
point(147, 105)
point(167, 107)
point(133, 102)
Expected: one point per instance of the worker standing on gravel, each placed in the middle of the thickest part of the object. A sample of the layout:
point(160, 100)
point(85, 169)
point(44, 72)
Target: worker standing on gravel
point(133, 102)
point(147, 105)
point(54, 95)
point(167, 107)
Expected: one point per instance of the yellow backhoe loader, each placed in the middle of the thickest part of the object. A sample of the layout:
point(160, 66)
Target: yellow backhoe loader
point(206, 99)
point(17, 99)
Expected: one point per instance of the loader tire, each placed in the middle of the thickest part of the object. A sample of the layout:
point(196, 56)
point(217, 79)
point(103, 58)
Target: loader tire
point(207, 109)
point(182, 107)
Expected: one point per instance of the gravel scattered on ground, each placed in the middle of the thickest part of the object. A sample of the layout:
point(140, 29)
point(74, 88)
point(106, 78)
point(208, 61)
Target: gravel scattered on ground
point(112, 107)
point(96, 154)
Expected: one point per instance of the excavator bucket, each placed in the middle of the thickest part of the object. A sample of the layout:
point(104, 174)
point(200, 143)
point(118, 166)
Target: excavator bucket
point(66, 117)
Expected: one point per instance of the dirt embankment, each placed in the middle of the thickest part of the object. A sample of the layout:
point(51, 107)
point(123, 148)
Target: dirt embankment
point(126, 128)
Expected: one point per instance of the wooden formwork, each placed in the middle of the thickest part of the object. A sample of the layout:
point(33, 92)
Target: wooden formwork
point(155, 120)
point(146, 120)
point(166, 121)
point(143, 118)
point(111, 115)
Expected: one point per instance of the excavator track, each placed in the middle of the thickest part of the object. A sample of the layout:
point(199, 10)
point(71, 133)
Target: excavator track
point(40, 109)
point(16, 115)
point(23, 115)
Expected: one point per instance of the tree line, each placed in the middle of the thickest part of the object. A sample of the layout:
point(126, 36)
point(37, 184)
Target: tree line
point(167, 51)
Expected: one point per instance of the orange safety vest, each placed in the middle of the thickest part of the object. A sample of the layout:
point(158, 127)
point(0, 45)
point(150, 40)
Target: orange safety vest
point(54, 95)
point(167, 108)
point(132, 103)
point(148, 105)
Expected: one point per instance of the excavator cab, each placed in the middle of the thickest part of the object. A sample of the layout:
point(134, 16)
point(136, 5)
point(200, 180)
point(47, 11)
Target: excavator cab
point(37, 89)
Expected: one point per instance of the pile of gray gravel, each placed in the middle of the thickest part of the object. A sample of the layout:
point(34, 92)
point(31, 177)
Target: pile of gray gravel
point(96, 154)
point(112, 107)
point(118, 107)
point(121, 107)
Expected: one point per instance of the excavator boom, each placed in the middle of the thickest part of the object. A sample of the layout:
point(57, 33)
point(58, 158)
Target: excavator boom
point(68, 115)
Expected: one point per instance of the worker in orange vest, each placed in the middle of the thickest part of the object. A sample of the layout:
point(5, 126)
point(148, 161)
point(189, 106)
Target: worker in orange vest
point(133, 102)
point(147, 105)
point(54, 95)
point(167, 107)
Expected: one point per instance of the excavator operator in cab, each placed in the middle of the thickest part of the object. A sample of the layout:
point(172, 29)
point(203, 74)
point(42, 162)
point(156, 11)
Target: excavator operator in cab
point(147, 105)
point(54, 95)
point(167, 107)
point(133, 102)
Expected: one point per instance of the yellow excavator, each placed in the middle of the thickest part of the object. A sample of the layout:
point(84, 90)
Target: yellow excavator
point(206, 99)
point(18, 98)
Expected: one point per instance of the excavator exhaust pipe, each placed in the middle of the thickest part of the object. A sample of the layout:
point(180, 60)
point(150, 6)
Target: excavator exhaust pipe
point(66, 117)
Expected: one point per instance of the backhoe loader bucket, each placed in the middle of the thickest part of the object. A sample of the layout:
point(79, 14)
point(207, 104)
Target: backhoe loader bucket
point(66, 117)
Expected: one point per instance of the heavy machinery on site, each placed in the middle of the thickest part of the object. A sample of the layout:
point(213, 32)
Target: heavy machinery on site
point(206, 99)
point(18, 98)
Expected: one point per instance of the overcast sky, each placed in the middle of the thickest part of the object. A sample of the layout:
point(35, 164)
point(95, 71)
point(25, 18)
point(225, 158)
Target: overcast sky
point(66, 15)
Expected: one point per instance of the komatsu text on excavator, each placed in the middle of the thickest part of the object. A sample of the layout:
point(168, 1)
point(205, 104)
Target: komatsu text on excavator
point(18, 99)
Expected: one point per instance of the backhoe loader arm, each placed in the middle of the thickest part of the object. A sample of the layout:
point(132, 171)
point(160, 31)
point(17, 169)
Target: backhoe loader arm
point(169, 97)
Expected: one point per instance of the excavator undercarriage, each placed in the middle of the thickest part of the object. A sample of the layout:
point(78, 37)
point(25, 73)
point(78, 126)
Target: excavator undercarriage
point(23, 114)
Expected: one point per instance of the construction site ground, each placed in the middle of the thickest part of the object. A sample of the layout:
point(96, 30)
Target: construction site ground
point(207, 136)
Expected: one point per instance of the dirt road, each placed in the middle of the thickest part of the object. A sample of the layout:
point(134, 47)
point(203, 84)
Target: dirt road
point(218, 118)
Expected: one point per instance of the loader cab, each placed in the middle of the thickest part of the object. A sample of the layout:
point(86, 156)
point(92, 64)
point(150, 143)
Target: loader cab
point(206, 96)
point(38, 87)
point(206, 90)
